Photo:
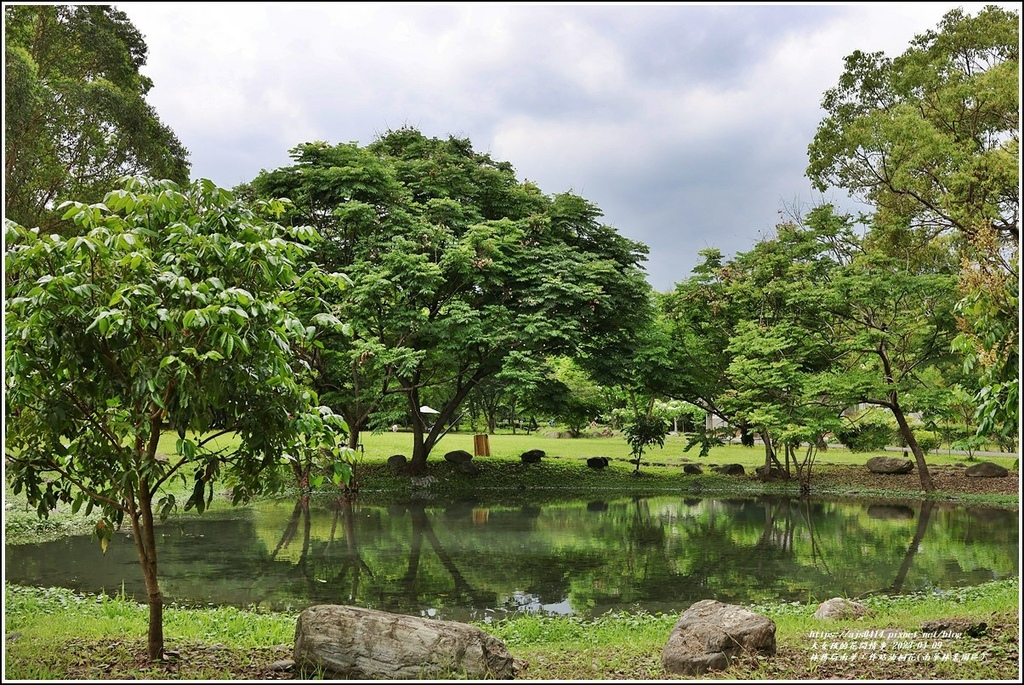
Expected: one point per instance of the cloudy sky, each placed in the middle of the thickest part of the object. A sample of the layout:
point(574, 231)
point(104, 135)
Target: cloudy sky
point(686, 124)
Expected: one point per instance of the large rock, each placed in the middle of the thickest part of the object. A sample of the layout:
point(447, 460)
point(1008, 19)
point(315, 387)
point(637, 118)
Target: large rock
point(890, 465)
point(532, 456)
point(710, 634)
point(597, 462)
point(986, 469)
point(731, 470)
point(397, 462)
point(458, 456)
point(840, 609)
point(346, 642)
point(692, 469)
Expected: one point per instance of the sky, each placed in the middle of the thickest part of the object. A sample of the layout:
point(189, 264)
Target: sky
point(687, 125)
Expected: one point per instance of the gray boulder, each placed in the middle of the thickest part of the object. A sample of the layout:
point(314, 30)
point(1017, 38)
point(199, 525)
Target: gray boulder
point(469, 468)
point(397, 462)
point(986, 469)
point(346, 642)
point(839, 609)
point(458, 456)
point(890, 465)
point(710, 634)
point(692, 469)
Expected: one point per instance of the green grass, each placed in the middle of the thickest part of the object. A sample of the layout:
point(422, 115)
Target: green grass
point(57, 634)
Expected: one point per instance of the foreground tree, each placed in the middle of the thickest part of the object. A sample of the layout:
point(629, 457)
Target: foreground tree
point(456, 266)
point(76, 117)
point(169, 310)
point(931, 139)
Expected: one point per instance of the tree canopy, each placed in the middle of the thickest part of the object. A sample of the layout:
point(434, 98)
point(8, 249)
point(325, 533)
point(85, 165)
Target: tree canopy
point(931, 138)
point(456, 267)
point(171, 310)
point(76, 117)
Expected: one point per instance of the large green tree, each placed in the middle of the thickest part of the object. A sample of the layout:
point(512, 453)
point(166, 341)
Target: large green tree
point(456, 266)
point(931, 139)
point(76, 117)
point(169, 310)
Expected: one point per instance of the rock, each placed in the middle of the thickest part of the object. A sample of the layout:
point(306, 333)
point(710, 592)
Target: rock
point(890, 465)
point(986, 469)
point(347, 642)
point(732, 470)
point(839, 609)
point(397, 462)
point(531, 456)
point(282, 666)
point(597, 462)
point(692, 469)
point(955, 627)
point(710, 634)
point(458, 456)
point(765, 473)
point(469, 468)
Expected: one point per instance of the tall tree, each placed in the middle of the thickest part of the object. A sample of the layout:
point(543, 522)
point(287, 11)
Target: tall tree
point(170, 309)
point(891, 323)
point(931, 138)
point(455, 266)
point(76, 117)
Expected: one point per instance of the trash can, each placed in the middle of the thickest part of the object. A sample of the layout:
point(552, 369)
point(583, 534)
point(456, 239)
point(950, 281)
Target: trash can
point(480, 446)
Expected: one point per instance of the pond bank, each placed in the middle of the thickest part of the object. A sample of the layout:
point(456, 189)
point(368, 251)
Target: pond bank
point(59, 635)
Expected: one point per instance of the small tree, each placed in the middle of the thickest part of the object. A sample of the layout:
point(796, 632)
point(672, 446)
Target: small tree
point(168, 311)
point(644, 431)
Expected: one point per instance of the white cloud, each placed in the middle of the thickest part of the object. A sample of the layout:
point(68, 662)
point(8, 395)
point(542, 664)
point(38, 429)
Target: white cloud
point(687, 124)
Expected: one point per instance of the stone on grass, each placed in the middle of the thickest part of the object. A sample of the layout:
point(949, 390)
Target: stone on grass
point(469, 468)
point(890, 465)
point(397, 462)
point(458, 456)
point(347, 642)
point(840, 609)
point(710, 634)
point(986, 469)
point(532, 456)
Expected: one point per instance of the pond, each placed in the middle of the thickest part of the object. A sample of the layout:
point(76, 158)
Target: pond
point(472, 562)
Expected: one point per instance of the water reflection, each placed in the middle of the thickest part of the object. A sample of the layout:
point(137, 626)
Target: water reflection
point(471, 560)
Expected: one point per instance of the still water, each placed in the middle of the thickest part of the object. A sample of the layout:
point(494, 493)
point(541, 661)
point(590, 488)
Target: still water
point(470, 562)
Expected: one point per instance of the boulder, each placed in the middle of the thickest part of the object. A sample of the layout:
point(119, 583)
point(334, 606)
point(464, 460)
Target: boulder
point(692, 469)
point(347, 642)
point(839, 609)
point(955, 627)
point(890, 465)
point(458, 456)
point(469, 468)
point(768, 473)
point(731, 470)
point(986, 469)
point(710, 634)
point(397, 462)
point(531, 456)
point(597, 462)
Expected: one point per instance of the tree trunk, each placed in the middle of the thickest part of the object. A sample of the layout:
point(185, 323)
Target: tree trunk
point(145, 546)
point(908, 435)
